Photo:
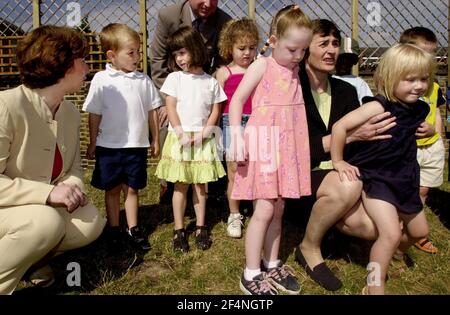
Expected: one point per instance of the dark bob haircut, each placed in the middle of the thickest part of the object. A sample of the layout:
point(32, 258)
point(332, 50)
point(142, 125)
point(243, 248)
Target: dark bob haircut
point(45, 54)
point(188, 38)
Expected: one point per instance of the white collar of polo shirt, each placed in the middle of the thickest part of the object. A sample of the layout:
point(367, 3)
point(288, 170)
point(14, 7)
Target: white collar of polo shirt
point(114, 72)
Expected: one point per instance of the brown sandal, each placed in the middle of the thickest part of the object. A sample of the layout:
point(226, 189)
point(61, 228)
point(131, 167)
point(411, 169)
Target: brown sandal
point(427, 246)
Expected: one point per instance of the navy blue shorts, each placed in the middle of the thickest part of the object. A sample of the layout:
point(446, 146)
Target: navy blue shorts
point(120, 166)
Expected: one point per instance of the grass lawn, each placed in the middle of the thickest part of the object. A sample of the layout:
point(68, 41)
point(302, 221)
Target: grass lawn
point(217, 270)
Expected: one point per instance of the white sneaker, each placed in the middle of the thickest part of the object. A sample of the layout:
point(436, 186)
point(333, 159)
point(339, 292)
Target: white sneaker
point(235, 225)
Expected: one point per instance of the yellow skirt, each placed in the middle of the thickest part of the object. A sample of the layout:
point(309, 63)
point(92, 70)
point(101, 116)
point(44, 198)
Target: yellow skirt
point(189, 164)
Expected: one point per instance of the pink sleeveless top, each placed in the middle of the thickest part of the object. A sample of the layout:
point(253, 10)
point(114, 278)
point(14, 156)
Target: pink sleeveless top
point(230, 87)
point(276, 138)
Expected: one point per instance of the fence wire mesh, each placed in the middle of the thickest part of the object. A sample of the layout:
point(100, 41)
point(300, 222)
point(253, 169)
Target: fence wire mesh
point(16, 17)
point(380, 22)
point(94, 14)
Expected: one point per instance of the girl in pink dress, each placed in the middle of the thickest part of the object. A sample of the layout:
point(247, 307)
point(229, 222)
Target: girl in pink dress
point(237, 46)
point(273, 154)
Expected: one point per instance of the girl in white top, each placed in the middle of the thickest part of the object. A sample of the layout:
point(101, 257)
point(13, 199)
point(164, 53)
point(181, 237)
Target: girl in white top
point(189, 155)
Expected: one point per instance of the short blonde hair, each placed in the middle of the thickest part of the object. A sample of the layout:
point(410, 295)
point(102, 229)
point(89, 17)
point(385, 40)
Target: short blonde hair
point(112, 35)
point(233, 32)
point(397, 63)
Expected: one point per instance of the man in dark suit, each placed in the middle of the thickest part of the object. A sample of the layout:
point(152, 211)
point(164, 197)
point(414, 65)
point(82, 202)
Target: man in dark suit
point(207, 18)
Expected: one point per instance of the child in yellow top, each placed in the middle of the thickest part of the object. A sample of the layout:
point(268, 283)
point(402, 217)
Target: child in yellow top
point(430, 147)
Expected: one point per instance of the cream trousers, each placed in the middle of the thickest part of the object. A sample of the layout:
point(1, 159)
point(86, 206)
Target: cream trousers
point(30, 232)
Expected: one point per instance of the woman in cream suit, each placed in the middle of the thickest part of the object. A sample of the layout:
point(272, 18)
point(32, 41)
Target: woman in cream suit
point(43, 208)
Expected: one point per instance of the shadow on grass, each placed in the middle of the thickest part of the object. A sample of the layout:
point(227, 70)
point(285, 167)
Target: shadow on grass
point(99, 267)
point(217, 209)
point(439, 202)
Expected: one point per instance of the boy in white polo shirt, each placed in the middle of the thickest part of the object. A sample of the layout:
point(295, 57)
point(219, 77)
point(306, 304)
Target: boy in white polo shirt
point(121, 103)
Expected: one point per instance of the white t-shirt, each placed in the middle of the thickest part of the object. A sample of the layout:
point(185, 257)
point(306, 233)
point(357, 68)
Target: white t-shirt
point(361, 86)
point(123, 100)
point(195, 96)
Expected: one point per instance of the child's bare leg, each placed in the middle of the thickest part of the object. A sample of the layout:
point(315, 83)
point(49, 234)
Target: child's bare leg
point(112, 204)
point(179, 200)
point(231, 171)
point(199, 199)
point(415, 228)
point(256, 232)
point(131, 210)
point(273, 235)
point(386, 219)
point(201, 234)
point(131, 205)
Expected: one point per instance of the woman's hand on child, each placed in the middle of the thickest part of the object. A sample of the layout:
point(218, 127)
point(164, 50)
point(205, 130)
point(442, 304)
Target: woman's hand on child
point(344, 168)
point(373, 129)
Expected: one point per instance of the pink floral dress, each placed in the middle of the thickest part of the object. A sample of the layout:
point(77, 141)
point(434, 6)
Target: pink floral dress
point(276, 137)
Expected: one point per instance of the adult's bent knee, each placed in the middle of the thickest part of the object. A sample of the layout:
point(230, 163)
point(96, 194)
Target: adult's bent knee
point(83, 226)
point(342, 193)
point(39, 228)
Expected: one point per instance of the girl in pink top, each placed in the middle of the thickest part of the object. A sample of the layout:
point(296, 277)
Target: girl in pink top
point(237, 46)
point(274, 158)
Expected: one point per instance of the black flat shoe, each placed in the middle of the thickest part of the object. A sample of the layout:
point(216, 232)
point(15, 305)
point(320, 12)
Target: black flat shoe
point(202, 238)
point(320, 273)
point(180, 242)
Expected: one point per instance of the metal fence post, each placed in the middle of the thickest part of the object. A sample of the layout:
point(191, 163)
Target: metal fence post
point(143, 27)
point(36, 13)
point(355, 29)
point(252, 9)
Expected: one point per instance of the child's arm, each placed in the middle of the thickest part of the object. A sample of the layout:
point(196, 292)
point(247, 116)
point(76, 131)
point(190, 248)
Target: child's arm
point(352, 120)
point(174, 119)
point(153, 122)
point(439, 127)
point(94, 123)
point(222, 76)
point(251, 78)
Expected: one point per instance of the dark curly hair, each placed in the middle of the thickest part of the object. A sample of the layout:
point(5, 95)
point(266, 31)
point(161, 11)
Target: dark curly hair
point(45, 54)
